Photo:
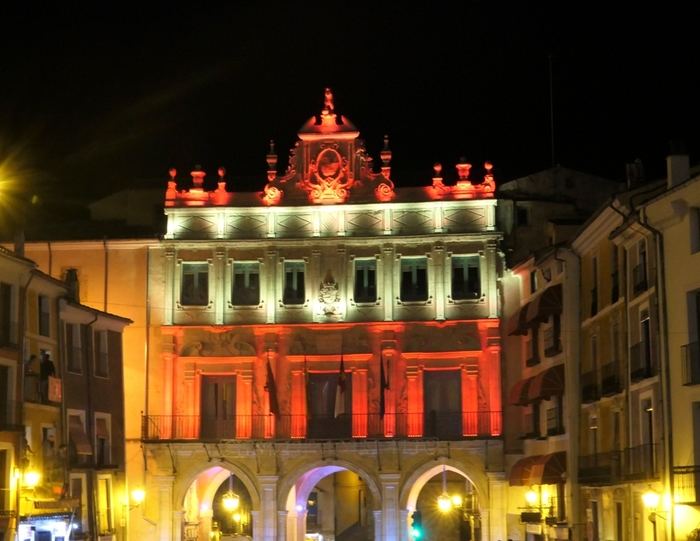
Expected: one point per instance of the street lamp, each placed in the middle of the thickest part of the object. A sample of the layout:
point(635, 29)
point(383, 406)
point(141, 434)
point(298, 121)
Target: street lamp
point(650, 499)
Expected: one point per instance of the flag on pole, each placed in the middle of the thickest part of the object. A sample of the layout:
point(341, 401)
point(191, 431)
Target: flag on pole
point(340, 390)
point(271, 388)
point(384, 383)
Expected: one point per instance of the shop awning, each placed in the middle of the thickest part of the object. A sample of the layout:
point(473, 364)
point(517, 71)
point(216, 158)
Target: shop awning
point(519, 393)
point(517, 324)
point(548, 383)
point(78, 435)
point(520, 473)
point(549, 469)
point(548, 303)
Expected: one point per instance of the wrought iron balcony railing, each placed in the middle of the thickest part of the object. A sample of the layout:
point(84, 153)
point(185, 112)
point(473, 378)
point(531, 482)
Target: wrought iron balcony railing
point(433, 425)
point(642, 363)
point(686, 481)
point(630, 464)
point(690, 359)
point(611, 381)
point(589, 387)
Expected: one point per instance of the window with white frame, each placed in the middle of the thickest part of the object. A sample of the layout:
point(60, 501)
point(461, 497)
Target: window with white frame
point(414, 279)
point(466, 277)
point(102, 354)
point(246, 283)
point(694, 230)
point(294, 288)
point(365, 289)
point(105, 518)
point(194, 285)
point(103, 438)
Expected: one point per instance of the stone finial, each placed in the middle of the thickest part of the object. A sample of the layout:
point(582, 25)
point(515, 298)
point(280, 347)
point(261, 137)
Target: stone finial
point(222, 173)
point(385, 154)
point(173, 173)
point(171, 191)
point(463, 169)
point(271, 159)
point(198, 177)
point(328, 104)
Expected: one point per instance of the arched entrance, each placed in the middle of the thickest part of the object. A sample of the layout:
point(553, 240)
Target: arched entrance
point(446, 500)
point(220, 499)
point(328, 501)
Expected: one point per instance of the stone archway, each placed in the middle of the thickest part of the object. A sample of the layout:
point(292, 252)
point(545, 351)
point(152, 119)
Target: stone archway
point(295, 487)
point(414, 484)
point(194, 493)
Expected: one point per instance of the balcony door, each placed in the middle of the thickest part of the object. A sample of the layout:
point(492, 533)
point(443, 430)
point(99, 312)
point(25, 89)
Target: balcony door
point(442, 404)
point(4, 393)
point(218, 407)
point(322, 391)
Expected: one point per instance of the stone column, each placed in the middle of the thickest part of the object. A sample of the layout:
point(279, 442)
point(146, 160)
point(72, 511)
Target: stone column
point(268, 510)
point(270, 291)
point(177, 524)
point(164, 485)
point(388, 281)
point(439, 281)
point(281, 526)
point(496, 524)
point(403, 518)
point(205, 518)
point(169, 279)
point(390, 505)
point(491, 278)
point(219, 285)
point(377, 524)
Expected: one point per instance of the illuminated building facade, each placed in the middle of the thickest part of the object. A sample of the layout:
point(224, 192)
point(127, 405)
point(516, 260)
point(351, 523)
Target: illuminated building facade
point(330, 325)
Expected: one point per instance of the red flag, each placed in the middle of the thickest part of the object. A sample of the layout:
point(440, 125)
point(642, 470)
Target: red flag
point(384, 385)
point(340, 390)
point(271, 388)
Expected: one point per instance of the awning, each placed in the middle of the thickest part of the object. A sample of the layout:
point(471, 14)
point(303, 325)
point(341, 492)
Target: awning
point(78, 436)
point(548, 470)
point(548, 303)
point(519, 393)
point(520, 472)
point(548, 383)
point(517, 324)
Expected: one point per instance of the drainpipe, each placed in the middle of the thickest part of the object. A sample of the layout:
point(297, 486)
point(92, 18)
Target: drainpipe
point(666, 372)
point(106, 264)
point(89, 423)
point(571, 329)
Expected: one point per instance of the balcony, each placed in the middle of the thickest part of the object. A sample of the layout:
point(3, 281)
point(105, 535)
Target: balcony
point(690, 359)
point(611, 381)
point(600, 468)
point(531, 426)
point(686, 481)
point(641, 363)
point(639, 279)
point(42, 392)
point(589, 387)
point(641, 462)
point(439, 425)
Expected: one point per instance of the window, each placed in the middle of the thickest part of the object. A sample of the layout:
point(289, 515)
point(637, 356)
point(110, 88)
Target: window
point(466, 280)
point(294, 292)
point(104, 504)
point(77, 491)
point(74, 351)
point(322, 390)
point(103, 439)
point(246, 283)
point(639, 272)
point(101, 354)
point(195, 284)
point(44, 318)
point(594, 352)
point(594, 287)
point(4, 480)
point(8, 325)
point(414, 279)
point(79, 444)
point(365, 280)
point(614, 275)
point(533, 281)
point(615, 338)
point(442, 404)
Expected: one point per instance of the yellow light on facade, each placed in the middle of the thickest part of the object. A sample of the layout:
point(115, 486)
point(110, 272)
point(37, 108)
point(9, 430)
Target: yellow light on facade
point(456, 500)
point(545, 497)
point(231, 501)
point(31, 478)
point(531, 497)
point(650, 499)
point(444, 502)
point(138, 495)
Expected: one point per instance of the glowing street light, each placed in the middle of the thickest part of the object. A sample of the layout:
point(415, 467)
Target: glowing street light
point(31, 478)
point(138, 495)
point(231, 501)
point(444, 502)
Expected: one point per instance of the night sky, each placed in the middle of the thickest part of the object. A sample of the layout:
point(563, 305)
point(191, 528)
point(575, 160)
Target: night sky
point(91, 102)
